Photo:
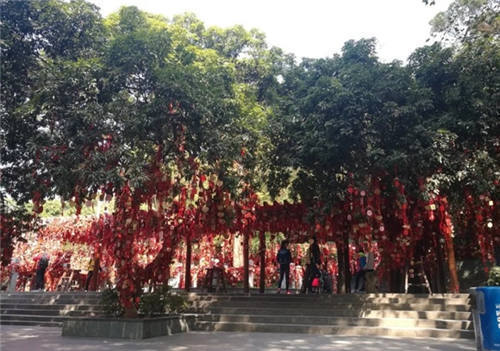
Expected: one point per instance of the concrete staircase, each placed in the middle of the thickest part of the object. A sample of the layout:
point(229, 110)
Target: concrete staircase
point(47, 308)
point(400, 315)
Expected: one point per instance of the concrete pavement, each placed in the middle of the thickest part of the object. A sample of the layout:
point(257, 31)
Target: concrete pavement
point(19, 338)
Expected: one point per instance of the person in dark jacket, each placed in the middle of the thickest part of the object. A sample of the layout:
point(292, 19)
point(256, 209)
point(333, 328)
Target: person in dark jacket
point(43, 263)
point(284, 258)
point(313, 262)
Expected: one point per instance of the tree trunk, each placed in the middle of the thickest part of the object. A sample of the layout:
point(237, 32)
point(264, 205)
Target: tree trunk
point(187, 281)
point(452, 265)
point(397, 281)
point(237, 251)
point(262, 253)
point(94, 283)
point(130, 312)
point(440, 272)
point(246, 286)
point(347, 264)
point(341, 286)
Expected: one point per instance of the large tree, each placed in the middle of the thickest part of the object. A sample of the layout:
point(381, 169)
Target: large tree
point(36, 37)
point(87, 106)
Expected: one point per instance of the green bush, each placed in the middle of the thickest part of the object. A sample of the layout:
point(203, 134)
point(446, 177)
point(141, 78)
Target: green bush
point(162, 301)
point(494, 278)
point(158, 302)
point(154, 302)
point(111, 303)
point(176, 303)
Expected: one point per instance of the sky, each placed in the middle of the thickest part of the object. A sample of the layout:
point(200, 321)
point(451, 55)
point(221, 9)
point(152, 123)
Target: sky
point(312, 28)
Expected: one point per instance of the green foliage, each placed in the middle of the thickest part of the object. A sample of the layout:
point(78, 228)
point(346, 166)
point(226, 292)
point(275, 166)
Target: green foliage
point(271, 240)
point(86, 101)
point(90, 99)
point(176, 303)
point(468, 20)
point(153, 303)
point(161, 301)
point(57, 207)
point(111, 303)
point(158, 302)
point(349, 117)
point(494, 277)
point(344, 115)
point(39, 38)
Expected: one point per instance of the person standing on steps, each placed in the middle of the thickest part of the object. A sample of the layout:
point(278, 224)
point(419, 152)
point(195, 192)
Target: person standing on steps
point(43, 263)
point(284, 258)
point(360, 274)
point(370, 276)
point(313, 263)
point(93, 270)
point(13, 275)
point(251, 270)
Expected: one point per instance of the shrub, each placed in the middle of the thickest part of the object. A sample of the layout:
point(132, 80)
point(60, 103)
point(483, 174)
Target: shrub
point(154, 302)
point(176, 303)
point(158, 302)
point(161, 301)
point(494, 278)
point(111, 303)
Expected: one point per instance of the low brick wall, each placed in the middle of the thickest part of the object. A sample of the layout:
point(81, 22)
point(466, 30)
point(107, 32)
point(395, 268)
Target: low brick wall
point(133, 328)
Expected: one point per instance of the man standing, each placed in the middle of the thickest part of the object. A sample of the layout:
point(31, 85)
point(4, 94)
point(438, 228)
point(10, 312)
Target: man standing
point(284, 258)
point(360, 274)
point(43, 263)
point(370, 276)
point(313, 262)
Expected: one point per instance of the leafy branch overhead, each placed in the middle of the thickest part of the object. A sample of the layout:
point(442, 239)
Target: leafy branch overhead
point(89, 102)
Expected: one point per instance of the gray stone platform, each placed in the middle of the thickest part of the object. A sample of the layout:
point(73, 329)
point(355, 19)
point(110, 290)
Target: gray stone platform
point(123, 328)
point(21, 338)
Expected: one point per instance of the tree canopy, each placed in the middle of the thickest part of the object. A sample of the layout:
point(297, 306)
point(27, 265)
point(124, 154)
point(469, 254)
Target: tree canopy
point(137, 102)
point(92, 98)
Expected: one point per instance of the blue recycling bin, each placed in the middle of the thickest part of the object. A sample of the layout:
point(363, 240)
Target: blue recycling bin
point(486, 315)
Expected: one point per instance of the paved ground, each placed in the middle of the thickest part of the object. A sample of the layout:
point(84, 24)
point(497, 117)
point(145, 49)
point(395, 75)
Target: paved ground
point(16, 338)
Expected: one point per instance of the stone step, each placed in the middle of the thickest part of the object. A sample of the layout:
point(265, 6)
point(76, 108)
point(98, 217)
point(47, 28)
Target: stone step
point(27, 295)
point(335, 305)
point(270, 291)
point(32, 318)
point(4, 304)
point(47, 308)
point(50, 295)
point(332, 330)
point(340, 321)
point(51, 301)
point(362, 298)
point(50, 298)
point(333, 312)
point(360, 295)
point(39, 318)
point(82, 308)
point(52, 312)
point(31, 323)
point(38, 292)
